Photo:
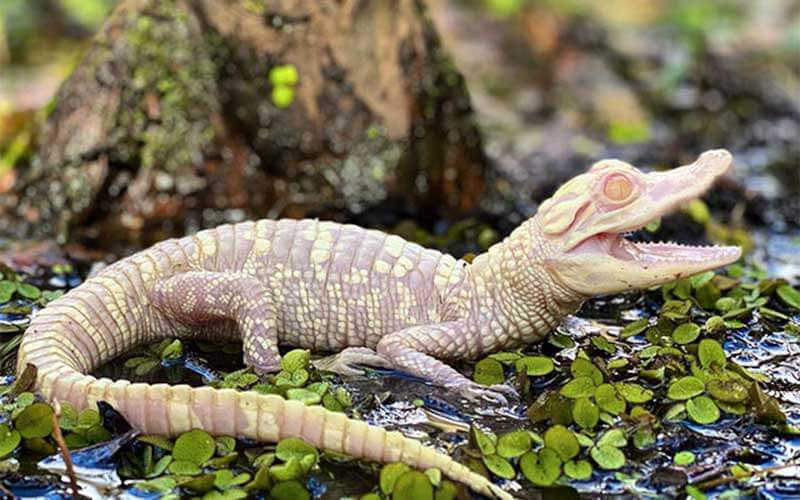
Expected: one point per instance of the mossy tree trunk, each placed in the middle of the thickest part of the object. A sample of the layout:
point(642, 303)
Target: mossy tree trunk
point(185, 114)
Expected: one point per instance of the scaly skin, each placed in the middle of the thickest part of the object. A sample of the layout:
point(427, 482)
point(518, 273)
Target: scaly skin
point(376, 298)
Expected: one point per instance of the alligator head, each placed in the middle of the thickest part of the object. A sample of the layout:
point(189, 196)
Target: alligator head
point(584, 221)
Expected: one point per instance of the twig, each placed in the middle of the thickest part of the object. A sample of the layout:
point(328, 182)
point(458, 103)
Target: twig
point(732, 479)
point(62, 445)
point(5, 491)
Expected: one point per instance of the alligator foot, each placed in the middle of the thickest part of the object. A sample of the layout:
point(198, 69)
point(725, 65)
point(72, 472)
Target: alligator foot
point(344, 362)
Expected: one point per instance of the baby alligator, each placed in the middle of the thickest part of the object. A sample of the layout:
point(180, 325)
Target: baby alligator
point(374, 298)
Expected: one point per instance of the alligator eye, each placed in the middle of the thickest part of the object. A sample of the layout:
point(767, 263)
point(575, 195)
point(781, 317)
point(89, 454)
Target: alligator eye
point(618, 187)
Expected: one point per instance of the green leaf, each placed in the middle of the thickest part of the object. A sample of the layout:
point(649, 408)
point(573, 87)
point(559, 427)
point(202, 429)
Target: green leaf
point(683, 458)
point(283, 74)
point(513, 444)
point(617, 363)
point(790, 296)
point(695, 493)
point(282, 96)
point(35, 421)
point(289, 490)
point(195, 446)
point(685, 388)
point(488, 371)
point(709, 351)
point(585, 413)
point(608, 457)
point(7, 289)
point(185, 468)
point(506, 357)
point(613, 437)
point(413, 485)
point(535, 366)
point(732, 408)
point(707, 295)
point(643, 439)
point(608, 399)
point(542, 468)
point(158, 485)
point(702, 410)
point(225, 479)
point(686, 333)
point(562, 441)
point(579, 387)
point(485, 441)
point(224, 445)
point(173, 350)
point(296, 359)
point(633, 393)
point(146, 366)
point(714, 324)
point(304, 395)
point(97, 434)
point(261, 479)
point(199, 484)
point(499, 466)
point(603, 344)
point(390, 473)
point(294, 448)
point(585, 368)
point(727, 390)
point(28, 291)
point(156, 440)
point(89, 418)
point(580, 470)
point(160, 466)
point(447, 491)
point(725, 304)
point(9, 440)
point(701, 279)
point(69, 417)
point(635, 328)
point(676, 310)
point(291, 469)
point(434, 476)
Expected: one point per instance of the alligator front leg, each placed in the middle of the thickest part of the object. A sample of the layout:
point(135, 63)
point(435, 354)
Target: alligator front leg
point(198, 297)
point(413, 349)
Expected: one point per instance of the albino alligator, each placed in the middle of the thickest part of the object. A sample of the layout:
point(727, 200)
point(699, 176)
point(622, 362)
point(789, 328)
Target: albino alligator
point(376, 298)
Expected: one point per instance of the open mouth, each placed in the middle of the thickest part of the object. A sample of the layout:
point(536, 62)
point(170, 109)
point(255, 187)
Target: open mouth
point(617, 246)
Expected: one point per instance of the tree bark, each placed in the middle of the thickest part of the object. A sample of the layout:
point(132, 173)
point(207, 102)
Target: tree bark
point(176, 119)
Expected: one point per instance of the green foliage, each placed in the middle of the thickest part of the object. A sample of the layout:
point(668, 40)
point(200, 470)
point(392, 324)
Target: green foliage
point(541, 468)
point(488, 371)
point(684, 458)
point(35, 421)
point(535, 366)
point(685, 388)
point(195, 446)
point(789, 296)
point(283, 79)
point(514, 444)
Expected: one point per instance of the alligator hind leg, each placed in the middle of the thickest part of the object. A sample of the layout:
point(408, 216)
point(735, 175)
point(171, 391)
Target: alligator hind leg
point(200, 297)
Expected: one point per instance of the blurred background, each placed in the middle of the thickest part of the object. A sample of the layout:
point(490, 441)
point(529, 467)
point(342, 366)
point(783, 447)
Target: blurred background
point(505, 99)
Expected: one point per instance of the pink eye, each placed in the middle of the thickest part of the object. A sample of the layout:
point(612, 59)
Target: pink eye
point(618, 187)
